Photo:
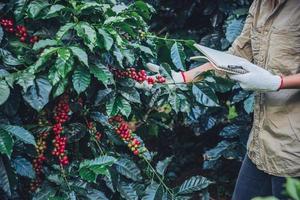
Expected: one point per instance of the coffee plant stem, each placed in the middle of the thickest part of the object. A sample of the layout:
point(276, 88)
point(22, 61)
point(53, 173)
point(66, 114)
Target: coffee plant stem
point(99, 147)
point(159, 178)
point(168, 39)
point(63, 173)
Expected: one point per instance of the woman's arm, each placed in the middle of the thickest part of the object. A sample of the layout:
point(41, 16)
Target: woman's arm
point(291, 82)
point(193, 73)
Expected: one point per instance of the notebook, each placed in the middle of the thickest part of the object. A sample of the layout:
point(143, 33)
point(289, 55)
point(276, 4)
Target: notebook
point(222, 61)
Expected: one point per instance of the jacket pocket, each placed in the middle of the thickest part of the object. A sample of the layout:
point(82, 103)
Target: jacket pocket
point(284, 50)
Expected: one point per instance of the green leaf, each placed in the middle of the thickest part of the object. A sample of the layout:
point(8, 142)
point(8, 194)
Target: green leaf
point(103, 95)
point(249, 104)
point(72, 195)
point(25, 80)
point(101, 160)
point(46, 192)
point(21, 133)
point(119, 8)
point(81, 79)
point(1, 34)
point(43, 58)
point(54, 11)
point(127, 191)
point(107, 39)
point(44, 43)
point(129, 55)
point(112, 107)
point(143, 48)
point(60, 88)
point(162, 165)
point(87, 33)
point(219, 84)
point(205, 96)
point(4, 91)
point(231, 131)
point(216, 152)
point(37, 95)
point(114, 19)
point(144, 9)
point(6, 142)
point(81, 55)
point(234, 28)
point(125, 108)
point(178, 102)
point(178, 56)
point(23, 167)
point(89, 169)
point(131, 94)
point(64, 54)
point(293, 188)
point(54, 76)
point(63, 30)
point(119, 56)
point(8, 59)
point(35, 7)
point(4, 180)
point(63, 66)
point(264, 198)
point(129, 169)
point(232, 114)
point(153, 192)
point(87, 174)
point(19, 9)
point(94, 194)
point(193, 184)
point(102, 73)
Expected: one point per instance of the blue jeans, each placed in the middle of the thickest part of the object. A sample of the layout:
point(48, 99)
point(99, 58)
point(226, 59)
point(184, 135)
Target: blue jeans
point(253, 182)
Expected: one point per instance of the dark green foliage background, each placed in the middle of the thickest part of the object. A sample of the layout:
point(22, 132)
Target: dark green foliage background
point(196, 134)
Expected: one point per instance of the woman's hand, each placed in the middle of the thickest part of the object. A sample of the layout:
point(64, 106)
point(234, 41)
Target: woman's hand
point(258, 79)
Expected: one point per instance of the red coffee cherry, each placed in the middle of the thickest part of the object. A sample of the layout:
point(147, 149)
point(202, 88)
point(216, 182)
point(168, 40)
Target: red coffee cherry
point(61, 116)
point(123, 130)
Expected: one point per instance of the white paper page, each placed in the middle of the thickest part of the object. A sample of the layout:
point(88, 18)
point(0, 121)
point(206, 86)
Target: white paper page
point(219, 58)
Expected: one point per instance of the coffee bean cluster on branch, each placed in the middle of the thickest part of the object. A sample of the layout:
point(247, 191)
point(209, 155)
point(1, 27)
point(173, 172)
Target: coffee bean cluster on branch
point(93, 130)
point(61, 116)
point(139, 76)
point(123, 130)
point(39, 160)
point(20, 31)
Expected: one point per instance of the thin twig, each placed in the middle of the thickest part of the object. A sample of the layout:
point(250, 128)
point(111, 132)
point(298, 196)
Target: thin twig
point(65, 177)
point(159, 178)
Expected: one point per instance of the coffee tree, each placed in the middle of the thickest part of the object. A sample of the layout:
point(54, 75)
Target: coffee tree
point(74, 124)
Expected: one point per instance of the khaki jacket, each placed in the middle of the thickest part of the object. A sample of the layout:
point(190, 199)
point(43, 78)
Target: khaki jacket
point(271, 39)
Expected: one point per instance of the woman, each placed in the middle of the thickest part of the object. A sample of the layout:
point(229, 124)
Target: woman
point(271, 40)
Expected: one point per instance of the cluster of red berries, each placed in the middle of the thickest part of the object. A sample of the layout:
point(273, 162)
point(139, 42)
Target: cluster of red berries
point(20, 30)
point(61, 116)
point(139, 76)
point(93, 130)
point(157, 79)
point(8, 25)
point(39, 160)
point(123, 130)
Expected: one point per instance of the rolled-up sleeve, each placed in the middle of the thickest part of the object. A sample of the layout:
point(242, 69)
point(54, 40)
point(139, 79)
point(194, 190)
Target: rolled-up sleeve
point(242, 45)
